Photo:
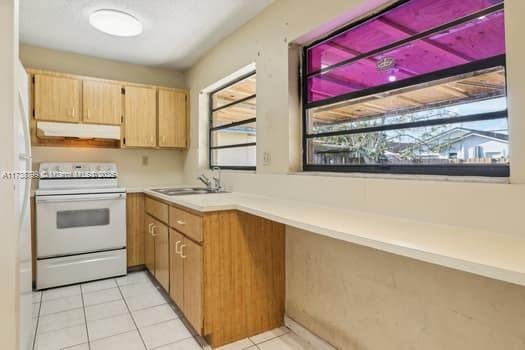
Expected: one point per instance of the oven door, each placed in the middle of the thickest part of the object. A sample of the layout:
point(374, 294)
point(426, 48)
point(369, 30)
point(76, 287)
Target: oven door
point(72, 224)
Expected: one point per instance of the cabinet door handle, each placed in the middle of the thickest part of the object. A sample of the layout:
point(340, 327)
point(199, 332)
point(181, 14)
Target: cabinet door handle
point(177, 247)
point(153, 231)
point(181, 222)
point(182, 251)
point(149, 227)
point(87, 113)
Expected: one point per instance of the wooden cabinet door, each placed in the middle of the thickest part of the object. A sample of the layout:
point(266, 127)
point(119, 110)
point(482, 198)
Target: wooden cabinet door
point(57, 98)
point(192, 299)
point(162, 254)
point(102, 102)
point(172, 118)
point(135, 228)
point(140, 117)
point(176, 268)
point(149, 244)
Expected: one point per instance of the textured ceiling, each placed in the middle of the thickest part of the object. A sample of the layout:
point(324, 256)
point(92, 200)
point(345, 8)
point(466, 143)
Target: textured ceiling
point(176, 32)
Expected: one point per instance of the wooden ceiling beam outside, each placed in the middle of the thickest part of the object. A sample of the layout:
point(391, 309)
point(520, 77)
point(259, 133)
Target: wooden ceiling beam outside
point(432, 44)
point(371, 60)
point(482, 85)
point(453, 90)
point(450, 93)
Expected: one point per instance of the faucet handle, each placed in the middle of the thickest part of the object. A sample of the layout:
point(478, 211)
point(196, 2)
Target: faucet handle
point(203, 178)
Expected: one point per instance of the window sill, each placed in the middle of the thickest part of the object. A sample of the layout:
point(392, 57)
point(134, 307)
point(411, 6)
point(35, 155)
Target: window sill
point(443, 178)
point(238, 171)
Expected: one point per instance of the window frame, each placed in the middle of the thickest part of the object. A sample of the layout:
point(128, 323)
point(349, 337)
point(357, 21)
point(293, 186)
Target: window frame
point(416, 169)
point(211, 128)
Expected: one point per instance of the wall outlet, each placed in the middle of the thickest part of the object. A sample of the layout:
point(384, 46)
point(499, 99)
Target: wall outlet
point(267, 158)
point(145, 160)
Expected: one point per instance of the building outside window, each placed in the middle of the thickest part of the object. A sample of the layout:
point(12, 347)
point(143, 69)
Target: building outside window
point(419, 88)
point(233, 125)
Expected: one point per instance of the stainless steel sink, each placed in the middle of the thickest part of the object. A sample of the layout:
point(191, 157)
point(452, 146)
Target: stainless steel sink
point(184, 191)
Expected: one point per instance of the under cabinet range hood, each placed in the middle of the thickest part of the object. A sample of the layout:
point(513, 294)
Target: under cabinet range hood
point(80, 131)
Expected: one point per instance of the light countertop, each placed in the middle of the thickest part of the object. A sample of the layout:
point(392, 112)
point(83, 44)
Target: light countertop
point(488, 254)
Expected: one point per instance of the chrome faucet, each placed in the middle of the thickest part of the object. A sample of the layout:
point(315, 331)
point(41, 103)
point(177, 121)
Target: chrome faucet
point(206, 181)
point(217, 179)
point(213, 185)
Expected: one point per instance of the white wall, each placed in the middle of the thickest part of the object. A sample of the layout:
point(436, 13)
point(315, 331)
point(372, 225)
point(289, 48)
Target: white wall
point(322, 291)
point(9, 235)
point(266, 41)
point(164, 168)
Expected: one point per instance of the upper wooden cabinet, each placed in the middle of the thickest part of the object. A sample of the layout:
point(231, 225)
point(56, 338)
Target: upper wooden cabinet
point(102, 102)
point(172, 118)
point(57, 98)
point(140, 117)
point(150, 116)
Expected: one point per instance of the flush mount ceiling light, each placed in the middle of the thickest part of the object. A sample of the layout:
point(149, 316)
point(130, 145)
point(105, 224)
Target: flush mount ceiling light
point(116, 23)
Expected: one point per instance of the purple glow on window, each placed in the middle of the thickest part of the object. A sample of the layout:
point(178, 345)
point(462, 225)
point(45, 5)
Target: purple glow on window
point(481, 38)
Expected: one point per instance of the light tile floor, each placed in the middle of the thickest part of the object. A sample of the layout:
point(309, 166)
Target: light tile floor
point(127, 313)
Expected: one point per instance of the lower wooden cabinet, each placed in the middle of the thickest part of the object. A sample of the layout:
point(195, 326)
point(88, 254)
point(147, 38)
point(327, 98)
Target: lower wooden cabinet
point(135, 228)
point(157, 250)
point(229, 284)
point(191, 254)
point(162, 254)
point(186, 277)
point(149, 244)
point(176, 267)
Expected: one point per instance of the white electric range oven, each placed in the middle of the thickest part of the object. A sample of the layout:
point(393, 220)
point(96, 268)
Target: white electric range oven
point(80, 224)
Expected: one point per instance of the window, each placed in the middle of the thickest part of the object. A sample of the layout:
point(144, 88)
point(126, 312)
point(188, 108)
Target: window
point(233, 125)
point(419, 88)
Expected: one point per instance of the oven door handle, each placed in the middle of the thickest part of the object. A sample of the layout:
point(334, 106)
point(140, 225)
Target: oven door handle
point(62, 199)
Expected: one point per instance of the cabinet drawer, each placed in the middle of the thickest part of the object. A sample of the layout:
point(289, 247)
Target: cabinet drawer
point(187, 223)
point(157, 209)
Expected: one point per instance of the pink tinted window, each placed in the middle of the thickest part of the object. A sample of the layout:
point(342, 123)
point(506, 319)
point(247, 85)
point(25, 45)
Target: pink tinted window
point(480, 38)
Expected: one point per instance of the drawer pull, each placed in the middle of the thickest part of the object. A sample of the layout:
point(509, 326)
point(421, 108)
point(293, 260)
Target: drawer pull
point(149, 227)
point(177, 247)
point(182, 251)
point(153, 231)
point(181, 222)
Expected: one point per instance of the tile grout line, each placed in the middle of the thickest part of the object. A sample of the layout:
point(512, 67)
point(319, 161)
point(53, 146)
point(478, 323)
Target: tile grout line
point(37, 319)
point(60, 329)
point(114, 335)
point(85, 317)
point(59, 312)
point(157, 323)
point(267, 340)
point(99, 290)
point(175, 342)
point(131, 315)
point(272, 338)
